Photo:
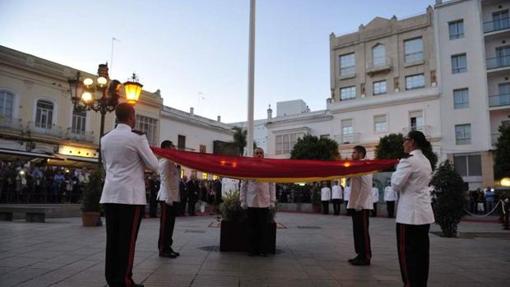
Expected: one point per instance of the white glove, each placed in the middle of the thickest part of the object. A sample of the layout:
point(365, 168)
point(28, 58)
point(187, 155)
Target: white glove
point(271, 205)
point(169, 202)
point(243, 205)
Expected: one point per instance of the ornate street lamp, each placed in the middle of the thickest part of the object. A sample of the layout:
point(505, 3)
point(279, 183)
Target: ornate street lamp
point(102, 94)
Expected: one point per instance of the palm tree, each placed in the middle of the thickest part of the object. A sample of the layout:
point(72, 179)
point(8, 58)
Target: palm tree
point(240, 139)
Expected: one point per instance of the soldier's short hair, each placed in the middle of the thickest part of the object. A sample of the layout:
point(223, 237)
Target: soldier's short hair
point(167, 144)
point(361, 150)
point(123, 111)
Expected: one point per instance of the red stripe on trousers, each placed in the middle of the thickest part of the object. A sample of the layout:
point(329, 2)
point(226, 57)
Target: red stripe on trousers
point(132, 243)
point(403, 254)
point(162, 227)
point(365, 234)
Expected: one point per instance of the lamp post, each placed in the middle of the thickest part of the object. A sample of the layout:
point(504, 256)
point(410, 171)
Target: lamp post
point(102, 94)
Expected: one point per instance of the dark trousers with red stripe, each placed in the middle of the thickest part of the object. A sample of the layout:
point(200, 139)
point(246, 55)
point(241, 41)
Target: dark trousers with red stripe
point(166, 226)
point(413, 253)
point(122, 224)
point(361, 235)
point(258, 219)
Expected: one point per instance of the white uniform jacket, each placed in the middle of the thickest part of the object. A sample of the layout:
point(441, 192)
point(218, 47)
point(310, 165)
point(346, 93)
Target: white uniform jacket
point(336, 192)
point(257, 194)
point(411, 180)
point(325, 194)
point(389, 194)
point(361, 192)
point(125, 155)
point(169, 187)
point(347, 193)
point(375, 195)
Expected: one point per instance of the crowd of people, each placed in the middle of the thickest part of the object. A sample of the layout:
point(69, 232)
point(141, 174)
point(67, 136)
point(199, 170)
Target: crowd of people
point(28, 182)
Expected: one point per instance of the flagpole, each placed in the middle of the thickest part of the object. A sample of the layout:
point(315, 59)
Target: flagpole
point(251, 80)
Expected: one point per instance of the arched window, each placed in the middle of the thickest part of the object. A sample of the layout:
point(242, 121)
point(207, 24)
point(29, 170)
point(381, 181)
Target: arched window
point(44, 114)
point(379, 55)
point(6, 105)
point(79, 120)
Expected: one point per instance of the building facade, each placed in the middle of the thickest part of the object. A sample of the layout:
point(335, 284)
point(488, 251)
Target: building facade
point(37, 119)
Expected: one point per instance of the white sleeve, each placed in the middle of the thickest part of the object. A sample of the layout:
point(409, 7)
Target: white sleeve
point(272, 192)
point(147, 155)
point(242, 191)
point(400, 176)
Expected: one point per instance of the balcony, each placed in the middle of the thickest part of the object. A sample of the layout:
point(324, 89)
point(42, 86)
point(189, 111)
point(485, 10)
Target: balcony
point(499, 100)
point(50, 131)
point(498, 62)
point(494, 138)
point(352, 138)
point(425, 129)
point(11, 124)
point(79, 136)
point(379, 65)
point(496, 25)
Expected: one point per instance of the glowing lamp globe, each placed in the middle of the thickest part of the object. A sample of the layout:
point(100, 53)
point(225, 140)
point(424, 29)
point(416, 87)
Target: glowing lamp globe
point(133, 91)
point(505, 181)
point(86, 97)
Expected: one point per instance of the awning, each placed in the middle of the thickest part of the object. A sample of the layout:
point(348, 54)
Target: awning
point(11, 154)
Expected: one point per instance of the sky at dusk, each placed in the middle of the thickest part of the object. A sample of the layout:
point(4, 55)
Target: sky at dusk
point(196, 51)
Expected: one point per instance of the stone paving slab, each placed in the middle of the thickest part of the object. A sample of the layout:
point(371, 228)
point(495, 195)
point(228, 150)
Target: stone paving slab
point(63, 253)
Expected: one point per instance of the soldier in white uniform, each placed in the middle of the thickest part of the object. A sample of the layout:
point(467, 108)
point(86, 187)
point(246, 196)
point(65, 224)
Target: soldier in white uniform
point(360, 202)
point(325, 197)
point(169, 198)
point(414, 213)
point(390, 196)
point(375, 199)
point(258, 197)
point(126, 154)
point(336, 197)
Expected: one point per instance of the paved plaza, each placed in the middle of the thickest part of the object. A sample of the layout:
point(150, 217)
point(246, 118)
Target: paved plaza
point(312, 250)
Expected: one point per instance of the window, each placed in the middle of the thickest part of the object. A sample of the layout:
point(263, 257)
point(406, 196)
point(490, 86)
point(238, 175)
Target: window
point(415, 82)
point(416, 121)
point(347, 130)
point(468, 165)
point(6, 105)
point(149, 127)
point(456, 29)
point(413, 50)
point(501, 20)
point(181, 142)
point(379, 87)
point(326, 136)
point(285, 143)
point(79, 120)
point(463, 134)
point(347, 64)
point(202, 148)
point(347, 93)
point(380, 124)
point(459, 63)
point(44, 114)
point(461, 99)
point(379, 55)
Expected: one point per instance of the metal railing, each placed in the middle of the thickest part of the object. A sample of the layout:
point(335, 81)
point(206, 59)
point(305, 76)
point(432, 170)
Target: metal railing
point(496, 25)
point(82, 136)
point(499, 100)
point(498, 62)
point(378, 64)
point(494, 138)
point(11, 124)
point(351, 138)
point(53, 131)
point(425, 129)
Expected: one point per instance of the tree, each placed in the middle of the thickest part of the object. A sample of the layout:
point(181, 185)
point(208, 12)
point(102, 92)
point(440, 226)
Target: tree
point(311, 147)
point(449, 198)
point(240, 139)
point(502, 153)
point(391, 147)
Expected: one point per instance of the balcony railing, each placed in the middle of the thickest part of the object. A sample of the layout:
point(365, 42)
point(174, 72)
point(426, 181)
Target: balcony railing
point(81, 136)
point(425, 129)
point(494, 138)
point(499, 100)
point(11, 124)
point(498, 62)
point(352, 138)
point(52, 131)
point(496, 25)
point(379, 65)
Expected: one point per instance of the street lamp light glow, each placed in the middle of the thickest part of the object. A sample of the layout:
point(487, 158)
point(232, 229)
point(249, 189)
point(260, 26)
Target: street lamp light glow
point(86, 97)
point(102, 81)
point(88, 82)
point(133, 90)
point(505, 181)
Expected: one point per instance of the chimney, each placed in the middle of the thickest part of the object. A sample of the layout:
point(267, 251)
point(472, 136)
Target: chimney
point(269, 113)
point(219, 118)
point(191, 111)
